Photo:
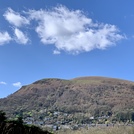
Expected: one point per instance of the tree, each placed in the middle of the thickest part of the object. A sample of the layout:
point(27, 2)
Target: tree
point(20, 120)
point(2, 116)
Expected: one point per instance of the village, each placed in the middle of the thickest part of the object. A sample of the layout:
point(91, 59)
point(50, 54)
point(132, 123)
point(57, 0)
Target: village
point(59, 120)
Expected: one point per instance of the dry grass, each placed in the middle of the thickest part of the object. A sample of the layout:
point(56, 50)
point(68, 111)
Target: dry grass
point(107, 130)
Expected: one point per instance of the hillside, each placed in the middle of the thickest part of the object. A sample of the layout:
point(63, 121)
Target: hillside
point(92, 96)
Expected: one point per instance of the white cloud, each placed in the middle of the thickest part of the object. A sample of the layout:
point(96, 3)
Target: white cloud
point(17, 84)
point(72, 31)
point(69, 30)
point(2, 83)
point(4, 38)
point(56, 52)
point(20, 37)
point(15, 18)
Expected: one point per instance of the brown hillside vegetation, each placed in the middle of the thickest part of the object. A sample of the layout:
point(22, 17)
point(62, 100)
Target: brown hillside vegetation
point(96, 96)
point(106, 130)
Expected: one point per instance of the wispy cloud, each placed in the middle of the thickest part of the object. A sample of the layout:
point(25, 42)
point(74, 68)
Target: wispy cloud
point(2, 83)
point(56, 52)
point(17, 84)
point(20, 37)
point(68, 30)
point(15, 18)
point(4, 38)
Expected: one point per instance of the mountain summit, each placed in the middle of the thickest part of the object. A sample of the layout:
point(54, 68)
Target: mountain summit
point(95, 96)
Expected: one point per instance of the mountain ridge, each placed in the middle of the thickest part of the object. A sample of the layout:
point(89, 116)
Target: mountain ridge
point(95, 96)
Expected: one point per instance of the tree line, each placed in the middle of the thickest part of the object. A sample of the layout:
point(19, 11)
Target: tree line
point(17, 126)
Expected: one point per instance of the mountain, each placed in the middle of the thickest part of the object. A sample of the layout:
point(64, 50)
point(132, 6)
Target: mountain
point(95, 96)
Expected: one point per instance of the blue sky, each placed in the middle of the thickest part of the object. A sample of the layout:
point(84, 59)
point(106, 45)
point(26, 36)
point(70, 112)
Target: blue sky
point(62, 39)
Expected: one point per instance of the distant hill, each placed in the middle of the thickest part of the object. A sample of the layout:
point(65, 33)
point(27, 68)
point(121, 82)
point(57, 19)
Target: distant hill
point(95, 96)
